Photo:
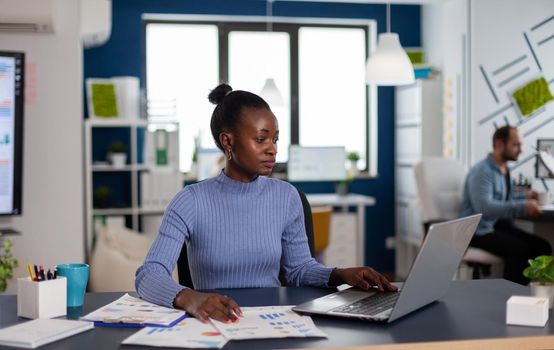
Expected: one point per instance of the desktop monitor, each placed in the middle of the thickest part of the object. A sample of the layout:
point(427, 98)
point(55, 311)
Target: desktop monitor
point(545, 147)
point(316, 163)
point(11, 131)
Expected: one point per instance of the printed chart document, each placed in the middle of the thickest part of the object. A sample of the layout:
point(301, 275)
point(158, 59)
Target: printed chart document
point(189, 333)
point(269, 322)
point(135, 312)
point(41, 331)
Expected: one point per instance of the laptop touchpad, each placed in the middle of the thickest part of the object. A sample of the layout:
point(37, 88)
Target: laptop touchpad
point(335, 300)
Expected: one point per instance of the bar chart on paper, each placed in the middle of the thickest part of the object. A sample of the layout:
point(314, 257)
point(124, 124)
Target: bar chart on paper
point(189, 333)
point(269, 322)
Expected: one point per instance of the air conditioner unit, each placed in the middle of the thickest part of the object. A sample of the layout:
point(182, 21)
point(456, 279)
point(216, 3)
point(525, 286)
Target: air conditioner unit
point(27, 16)
point(96, 22)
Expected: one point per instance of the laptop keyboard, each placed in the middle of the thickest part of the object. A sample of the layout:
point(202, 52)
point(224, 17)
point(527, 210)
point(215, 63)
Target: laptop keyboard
point(370, 306)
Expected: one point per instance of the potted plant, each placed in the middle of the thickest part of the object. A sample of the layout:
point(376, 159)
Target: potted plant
point(342, 187)
point(101, 197)
point(353, 157)
point(116, 154)
point(541, 273)
point(193, 173)
point(7, 264)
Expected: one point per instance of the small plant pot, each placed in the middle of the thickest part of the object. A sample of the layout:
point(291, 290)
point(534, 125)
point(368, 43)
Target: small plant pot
point(118, 160)
point(354, 167)
point(342, 188)
point(543, 291)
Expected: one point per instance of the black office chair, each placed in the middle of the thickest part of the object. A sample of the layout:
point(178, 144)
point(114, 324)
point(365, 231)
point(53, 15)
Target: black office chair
point(183, 270)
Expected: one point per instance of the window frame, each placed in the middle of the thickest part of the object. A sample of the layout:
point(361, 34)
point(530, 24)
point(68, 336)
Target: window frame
point(290, 25)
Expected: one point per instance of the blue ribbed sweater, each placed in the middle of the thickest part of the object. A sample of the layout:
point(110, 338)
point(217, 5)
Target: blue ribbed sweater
point(238, 235)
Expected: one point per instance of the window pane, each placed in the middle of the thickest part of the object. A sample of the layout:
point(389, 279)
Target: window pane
point(332, 93)
point(255, 56)
point(182, 64)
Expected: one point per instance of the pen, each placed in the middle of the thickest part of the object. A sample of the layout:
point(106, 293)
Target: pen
point(31, 272)
point(37, 277)
point(49, 275)
point(42, 277)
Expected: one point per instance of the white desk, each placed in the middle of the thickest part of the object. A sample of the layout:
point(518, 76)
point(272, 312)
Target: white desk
point(350, 200)
point(548, 209)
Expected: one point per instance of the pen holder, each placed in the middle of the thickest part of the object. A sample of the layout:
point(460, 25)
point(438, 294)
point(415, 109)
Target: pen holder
point(44, 299)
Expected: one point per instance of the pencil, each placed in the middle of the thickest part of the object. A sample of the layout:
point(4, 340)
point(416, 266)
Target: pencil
point(31, 272)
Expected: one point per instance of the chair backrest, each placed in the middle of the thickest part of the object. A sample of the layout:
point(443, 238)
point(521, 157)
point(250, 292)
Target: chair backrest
point(185, 278)
point(440, 184)
point(321, 217)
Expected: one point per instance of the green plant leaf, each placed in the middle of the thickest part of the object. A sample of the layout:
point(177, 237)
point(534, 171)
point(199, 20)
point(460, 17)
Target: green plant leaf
point(531, 272)
point(544, 260)
point(548, 273)
point(7, 264)
point(541, 269)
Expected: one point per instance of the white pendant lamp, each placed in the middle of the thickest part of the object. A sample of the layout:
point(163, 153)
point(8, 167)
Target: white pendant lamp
point(389, 65)
point(270, 93)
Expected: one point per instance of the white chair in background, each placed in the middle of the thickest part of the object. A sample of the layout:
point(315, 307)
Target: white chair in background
point(440, 183)
point(118, 253)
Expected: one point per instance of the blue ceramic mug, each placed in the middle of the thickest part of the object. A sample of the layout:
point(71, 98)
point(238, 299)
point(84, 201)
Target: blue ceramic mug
point(77, 278)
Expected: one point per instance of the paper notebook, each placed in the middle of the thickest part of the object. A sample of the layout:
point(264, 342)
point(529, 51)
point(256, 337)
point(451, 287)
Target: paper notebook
point(41, 331)
point(129, 311)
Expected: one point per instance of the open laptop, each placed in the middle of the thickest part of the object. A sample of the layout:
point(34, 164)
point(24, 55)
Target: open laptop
point(429, 278)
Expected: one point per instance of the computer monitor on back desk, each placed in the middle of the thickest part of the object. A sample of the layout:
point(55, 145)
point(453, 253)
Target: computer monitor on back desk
point(316, 163)
point(544, 168)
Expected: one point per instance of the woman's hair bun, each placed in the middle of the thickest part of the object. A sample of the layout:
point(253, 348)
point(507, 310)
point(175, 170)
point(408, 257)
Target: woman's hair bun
point(217, 95)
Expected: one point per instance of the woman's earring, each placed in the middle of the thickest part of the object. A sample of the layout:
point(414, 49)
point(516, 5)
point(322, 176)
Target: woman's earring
point(229, 156)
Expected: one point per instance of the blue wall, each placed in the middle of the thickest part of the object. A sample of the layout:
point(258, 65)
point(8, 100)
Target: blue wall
point(122, 55)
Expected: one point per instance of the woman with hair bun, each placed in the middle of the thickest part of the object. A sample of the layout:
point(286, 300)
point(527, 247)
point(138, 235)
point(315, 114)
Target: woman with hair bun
point(241, 228)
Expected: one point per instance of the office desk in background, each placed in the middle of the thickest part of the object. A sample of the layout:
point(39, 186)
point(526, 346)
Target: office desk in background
point(542, 226)
point(474, 309)
point(342, 244)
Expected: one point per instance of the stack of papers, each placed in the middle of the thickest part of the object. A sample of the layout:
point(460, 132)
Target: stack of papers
point(134, 312)
point(189, 333)
point(257, 323)
point(41, 331)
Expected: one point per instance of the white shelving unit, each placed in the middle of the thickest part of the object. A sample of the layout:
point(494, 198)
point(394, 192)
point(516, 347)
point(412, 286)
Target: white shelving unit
point(418, 135)
point(133, 167)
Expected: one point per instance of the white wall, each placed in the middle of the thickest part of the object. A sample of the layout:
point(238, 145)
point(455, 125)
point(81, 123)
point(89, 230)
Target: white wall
point(52, 223)
point(468, 39)
point(501, 52)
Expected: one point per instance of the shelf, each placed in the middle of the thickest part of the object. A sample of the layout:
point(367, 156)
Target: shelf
point(114, 123)
point(407, 161)
point(113, 211)
point(408, 122)
point(411, 240)
point(151, 210)
point(108, 168)
point(134, 180)
point(128, 211)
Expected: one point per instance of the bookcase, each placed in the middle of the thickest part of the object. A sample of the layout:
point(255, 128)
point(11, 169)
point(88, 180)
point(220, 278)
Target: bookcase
point(127, 194)
point(419, 134)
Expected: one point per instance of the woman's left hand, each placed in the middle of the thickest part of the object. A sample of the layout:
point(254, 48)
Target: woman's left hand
point(363, 277)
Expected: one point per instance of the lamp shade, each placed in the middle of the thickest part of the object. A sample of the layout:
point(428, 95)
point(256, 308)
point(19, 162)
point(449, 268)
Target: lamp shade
point(271, 94)
point(389, 65)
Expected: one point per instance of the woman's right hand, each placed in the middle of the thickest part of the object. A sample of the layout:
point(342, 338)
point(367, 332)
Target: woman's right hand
point(208, 305)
